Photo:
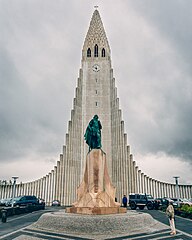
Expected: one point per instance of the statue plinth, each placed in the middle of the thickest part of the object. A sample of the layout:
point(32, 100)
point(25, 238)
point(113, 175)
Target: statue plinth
point(96, 193)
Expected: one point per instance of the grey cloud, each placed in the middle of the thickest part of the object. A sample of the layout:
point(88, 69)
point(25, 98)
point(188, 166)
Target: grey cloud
point(40, 59)
point(173, 19)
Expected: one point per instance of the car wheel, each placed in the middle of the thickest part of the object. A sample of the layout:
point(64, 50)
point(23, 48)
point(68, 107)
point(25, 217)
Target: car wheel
point(149, 206)
point(156, 207)
point(141, 207)
point(133, 206)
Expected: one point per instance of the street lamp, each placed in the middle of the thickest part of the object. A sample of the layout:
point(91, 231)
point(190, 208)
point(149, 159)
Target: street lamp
point(14, 189)
point(177, 190)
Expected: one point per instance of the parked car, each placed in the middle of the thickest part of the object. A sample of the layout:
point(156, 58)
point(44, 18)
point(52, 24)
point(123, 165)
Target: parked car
point(182, 201)
point(140, 201)
point(56, 203)
point(41, 203)
point(163, 202)
point(5, 201)
point(24, 201)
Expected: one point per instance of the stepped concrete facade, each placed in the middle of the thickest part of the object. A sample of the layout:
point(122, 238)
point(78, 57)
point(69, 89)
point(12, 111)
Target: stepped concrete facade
point(96, 93)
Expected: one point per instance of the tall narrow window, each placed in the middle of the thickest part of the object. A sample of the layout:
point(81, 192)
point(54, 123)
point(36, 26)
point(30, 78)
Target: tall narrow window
point(103, 52)
point(96, 50)
point(88, 52)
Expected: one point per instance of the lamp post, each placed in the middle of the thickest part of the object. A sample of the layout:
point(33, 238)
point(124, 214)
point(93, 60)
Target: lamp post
point(177, 189)
point(14, 188)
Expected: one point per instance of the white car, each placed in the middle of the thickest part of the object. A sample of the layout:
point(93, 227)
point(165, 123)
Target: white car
point(182, 201)
point(5, 201)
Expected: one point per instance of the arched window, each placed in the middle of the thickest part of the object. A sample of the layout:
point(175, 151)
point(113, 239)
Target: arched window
point(96, 50)
point(103, 52)
point(88, 52)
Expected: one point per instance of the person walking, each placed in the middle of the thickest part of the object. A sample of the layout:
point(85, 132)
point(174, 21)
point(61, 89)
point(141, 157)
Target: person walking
point(124, 201)
point(171, 214)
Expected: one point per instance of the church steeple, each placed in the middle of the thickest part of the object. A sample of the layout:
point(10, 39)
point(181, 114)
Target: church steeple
point(96, 43)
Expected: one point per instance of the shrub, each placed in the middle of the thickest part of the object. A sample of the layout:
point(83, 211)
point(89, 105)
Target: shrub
point(187, 209)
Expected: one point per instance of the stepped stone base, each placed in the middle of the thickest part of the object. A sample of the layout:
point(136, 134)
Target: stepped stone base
point(96, 210)
point(97, 226)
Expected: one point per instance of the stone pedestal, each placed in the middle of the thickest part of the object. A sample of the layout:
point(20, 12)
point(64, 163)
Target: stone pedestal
point(96, 193)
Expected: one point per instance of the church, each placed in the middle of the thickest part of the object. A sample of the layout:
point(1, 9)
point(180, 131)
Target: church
point(96, 93)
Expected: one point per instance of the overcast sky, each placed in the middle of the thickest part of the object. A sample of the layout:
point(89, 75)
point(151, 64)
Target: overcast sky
point(40, 56)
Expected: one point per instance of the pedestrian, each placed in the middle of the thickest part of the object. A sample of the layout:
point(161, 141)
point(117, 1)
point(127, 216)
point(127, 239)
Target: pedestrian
point(170, 213)
point(124, 201)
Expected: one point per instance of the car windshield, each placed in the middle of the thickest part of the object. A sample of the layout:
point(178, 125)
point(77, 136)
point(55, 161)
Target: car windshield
point(16, 199)
point(185, 200)
point(149, 197)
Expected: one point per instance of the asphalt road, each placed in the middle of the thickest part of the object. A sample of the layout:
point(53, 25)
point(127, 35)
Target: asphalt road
point(181, 224)
point(17, 222)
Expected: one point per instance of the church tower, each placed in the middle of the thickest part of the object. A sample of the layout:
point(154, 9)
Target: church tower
point(95, 94)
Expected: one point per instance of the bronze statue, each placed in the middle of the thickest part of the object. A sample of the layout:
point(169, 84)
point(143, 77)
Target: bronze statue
point(93, 133)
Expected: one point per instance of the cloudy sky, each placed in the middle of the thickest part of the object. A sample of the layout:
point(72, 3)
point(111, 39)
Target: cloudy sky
point(40, 55)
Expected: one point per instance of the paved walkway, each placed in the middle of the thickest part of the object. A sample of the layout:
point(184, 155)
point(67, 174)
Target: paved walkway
point(28, 234)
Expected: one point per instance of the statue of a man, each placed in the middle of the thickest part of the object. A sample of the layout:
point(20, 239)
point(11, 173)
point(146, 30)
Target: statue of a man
point(93, 133)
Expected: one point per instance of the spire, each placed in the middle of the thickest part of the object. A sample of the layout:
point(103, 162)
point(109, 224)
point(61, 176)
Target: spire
point(96, 34)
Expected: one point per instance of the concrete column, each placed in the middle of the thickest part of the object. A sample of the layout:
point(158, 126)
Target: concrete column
point(55, 177)
point(43, 188)
point(129, 169)
point(158, 189)
point(132, 173)
point(57, 185)
point(147, 185)
point(126, 164)
point(134, 176)
point(35, 188)
point(145, 188)
point(186, 195)
point(180, 192)
point(142, 183)
point(53, 186)
point(136, 179)
point(169, 190)
point(150, 186)
point(60, 177)
point(154, 188)
point(188, 192)
point(19, 189)
point(172, 190)
point(119, 192)
point(165, 189)
point(139, 182)
point(47, 189)
point(63, 175)
point(66, 178)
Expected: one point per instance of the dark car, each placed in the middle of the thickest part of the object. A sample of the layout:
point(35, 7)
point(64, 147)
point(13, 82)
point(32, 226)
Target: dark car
point(140, 201)
point(56, 203)
point(41, 203)
point(24, 201)
point(163, 202)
